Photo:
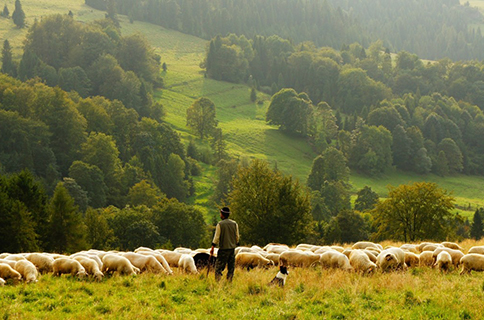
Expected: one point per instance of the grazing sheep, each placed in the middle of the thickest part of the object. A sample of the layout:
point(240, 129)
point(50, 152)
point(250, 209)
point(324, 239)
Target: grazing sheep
point(251, 260)
point(444, 261)
point(187, 264)
point(472, 261)
point(477, 249)
point(15, 257)
point(432, 247)
point(411, 259)
point(410, 248)
point(335, 259)
point(160, 259)
point(91, 256)
point(183, 250)
point(171, 257)
point(452, 245)
point(391, 259)
point(456, 255)
point(115, 263)
point(143, 262)
point(9, 262)
point(426, 259)
point(361, 263)
point(276, 248)
point(69, 266)
point(297, 258)
point(338, 248)
point(366, 245)
point(28, 270)
point(7, 272)
point(274, 257)
point(421, 246)
point(371, 254)
point(91, 266)
point(43, 262)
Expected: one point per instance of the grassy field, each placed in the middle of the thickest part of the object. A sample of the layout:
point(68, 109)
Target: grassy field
point(242, 121)
point(312, 293)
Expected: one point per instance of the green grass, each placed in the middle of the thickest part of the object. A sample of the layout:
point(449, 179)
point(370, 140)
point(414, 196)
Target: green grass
point(314, 293)
point(242, 121)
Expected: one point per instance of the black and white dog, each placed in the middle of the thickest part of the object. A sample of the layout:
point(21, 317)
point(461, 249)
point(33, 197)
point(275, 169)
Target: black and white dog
point(280, 278)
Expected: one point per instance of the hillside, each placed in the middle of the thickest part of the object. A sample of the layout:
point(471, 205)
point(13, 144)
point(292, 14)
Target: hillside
point(242, 121)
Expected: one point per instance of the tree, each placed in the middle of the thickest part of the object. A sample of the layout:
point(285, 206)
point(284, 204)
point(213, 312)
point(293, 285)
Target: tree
point(5, 13)
point(477, 227)
point(18, 15)
point(91, 179)
point(8, 66)
point(226, 171)
point(99, 234)
point(352, 225)
point(452, 154)
point(366, 199)
point(415, 212)
point(144, 193)
point(253, 95)
point(330, 166)
point(290, 111)
point(66, 228)
point(201, 116)
point(268, 206)
point(181, 224)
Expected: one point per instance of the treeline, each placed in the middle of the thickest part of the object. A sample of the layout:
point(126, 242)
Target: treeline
point(415, 116)
point(433, 29)
point(33, 221)
point(91, 59)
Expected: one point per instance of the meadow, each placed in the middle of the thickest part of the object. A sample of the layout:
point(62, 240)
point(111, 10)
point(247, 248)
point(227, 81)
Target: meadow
point(310, 293)
point(242, 121)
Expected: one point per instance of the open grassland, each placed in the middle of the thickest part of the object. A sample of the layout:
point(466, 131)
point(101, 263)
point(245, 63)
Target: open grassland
point(242, 121)
point(420, 293)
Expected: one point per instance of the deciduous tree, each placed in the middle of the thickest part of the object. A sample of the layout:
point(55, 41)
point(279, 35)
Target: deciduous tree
point(415, 212)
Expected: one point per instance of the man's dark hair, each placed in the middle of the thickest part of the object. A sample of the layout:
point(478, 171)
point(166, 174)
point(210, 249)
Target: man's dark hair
point(225, 211)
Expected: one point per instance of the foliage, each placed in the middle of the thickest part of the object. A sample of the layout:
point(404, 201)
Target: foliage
point(415, 212)
point(66, 229)
point(18, 15)
point(477, 227)
point(366, 199)
point(8, 65)
point(290, 111)
point(201, 117)
point(263, 197)
point(180, 224)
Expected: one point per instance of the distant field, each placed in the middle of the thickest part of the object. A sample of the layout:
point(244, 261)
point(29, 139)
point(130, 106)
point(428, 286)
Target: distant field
point(242, 121)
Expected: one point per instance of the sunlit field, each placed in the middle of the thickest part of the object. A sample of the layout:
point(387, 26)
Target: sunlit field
point(310, 293)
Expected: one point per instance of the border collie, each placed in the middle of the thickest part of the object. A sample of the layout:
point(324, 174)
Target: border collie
point(280, 278)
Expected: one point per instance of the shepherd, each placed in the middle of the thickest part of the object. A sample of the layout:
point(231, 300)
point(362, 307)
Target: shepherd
point(227, 239)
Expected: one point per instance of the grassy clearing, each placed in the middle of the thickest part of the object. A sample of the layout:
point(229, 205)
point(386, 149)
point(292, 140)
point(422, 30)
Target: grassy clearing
point(420, 293)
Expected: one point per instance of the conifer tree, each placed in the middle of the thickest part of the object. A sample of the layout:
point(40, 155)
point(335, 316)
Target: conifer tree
point(8, 67)
point(477, 228)
point(5, 13)
point(18, 15)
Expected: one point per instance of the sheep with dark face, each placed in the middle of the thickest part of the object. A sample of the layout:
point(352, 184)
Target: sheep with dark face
point(444, 261)
point(391, 259)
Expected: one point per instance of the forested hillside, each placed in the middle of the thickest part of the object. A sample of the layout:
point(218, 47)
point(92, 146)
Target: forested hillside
point(433, 29)
point(116, 138)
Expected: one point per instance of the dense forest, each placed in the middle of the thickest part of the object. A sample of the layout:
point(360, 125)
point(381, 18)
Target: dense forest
point(415, 116)
point(432, 29)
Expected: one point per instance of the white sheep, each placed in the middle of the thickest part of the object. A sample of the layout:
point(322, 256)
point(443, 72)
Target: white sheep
point(252, 260)
point(335, 259)
point(145, 262)
point(444, 261)
point(69, 266)
point(7, 272)
point(187, 264)
point(472, 261)
point(28, 270)
point(91, 266)
point(43, 262)
point(121, 265)
point(361, 263)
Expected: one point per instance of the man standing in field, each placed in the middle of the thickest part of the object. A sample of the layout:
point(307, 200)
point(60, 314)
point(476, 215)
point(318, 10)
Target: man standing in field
point(227, 238)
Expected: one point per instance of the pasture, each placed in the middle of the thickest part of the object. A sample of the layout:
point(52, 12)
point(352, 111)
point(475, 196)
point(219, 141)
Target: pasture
point(310, 293)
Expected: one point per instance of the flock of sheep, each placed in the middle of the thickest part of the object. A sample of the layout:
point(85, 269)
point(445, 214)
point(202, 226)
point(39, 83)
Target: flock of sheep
point(363, 257)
